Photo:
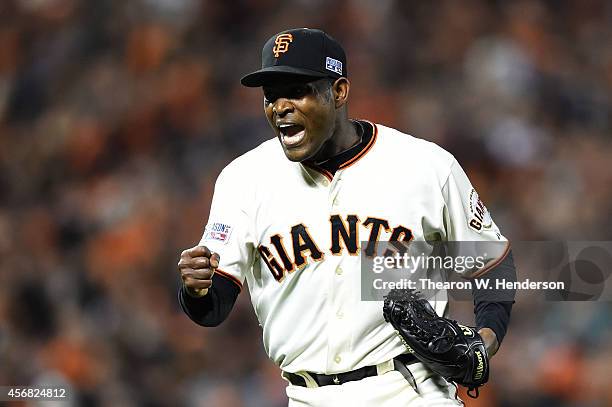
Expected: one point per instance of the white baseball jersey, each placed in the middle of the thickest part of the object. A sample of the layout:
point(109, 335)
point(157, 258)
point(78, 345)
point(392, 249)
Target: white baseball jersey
point(294, 233)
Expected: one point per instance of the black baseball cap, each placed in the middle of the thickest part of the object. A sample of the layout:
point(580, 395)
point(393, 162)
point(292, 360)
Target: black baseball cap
point(299, 52)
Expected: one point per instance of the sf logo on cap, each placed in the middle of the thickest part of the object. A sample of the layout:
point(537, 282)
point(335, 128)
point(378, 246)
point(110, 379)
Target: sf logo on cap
point(282, 44)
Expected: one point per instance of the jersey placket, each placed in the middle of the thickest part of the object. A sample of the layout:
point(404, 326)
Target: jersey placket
point(339, 291)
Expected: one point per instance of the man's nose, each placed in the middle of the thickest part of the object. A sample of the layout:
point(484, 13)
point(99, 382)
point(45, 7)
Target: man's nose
point(282, 106)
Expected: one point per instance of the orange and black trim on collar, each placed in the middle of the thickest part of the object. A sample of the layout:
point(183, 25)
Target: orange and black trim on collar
point(229, 277)
point(351, 159)
point(323, 171)
point(365, 150)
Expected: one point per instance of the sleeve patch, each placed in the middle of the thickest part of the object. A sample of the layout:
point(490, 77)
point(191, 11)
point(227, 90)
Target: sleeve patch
point(479, 216)
point(218, 231)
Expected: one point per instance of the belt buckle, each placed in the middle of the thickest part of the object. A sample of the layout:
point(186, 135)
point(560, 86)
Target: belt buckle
point(336, 380)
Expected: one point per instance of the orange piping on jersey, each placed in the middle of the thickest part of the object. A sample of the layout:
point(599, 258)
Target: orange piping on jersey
point(365, 149)
point(327, 174)
point(353, 160)
point(495, 263)
point(229, 277)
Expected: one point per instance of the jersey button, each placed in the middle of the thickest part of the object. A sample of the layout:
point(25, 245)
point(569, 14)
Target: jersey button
point(340, 314)
point(339, 270)
point(326, 182)
point(337, 359)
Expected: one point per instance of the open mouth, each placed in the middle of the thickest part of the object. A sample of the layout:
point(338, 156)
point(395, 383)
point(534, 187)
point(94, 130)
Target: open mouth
point(291, 134)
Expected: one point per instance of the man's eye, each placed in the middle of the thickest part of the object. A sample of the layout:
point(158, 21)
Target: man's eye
point(298, 92)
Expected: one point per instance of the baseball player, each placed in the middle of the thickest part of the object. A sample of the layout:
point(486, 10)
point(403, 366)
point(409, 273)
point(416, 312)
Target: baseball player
point(292, 216)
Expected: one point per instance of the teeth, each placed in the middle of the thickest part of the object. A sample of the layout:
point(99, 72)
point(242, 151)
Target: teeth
point(285, 126)
point(293, 140)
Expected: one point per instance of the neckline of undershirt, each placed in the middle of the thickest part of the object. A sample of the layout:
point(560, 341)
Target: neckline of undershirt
point(367, 132)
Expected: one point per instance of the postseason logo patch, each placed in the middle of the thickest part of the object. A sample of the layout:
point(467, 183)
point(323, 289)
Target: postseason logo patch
point(218, 231)
point(333, 65)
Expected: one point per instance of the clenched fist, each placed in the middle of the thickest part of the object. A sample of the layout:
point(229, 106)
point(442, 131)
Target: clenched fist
point(197, 266)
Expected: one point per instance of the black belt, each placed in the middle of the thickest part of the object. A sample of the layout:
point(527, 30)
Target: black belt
point(325, 380)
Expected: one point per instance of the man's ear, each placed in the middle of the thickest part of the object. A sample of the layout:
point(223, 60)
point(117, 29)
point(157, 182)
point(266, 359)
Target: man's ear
point(341, 89)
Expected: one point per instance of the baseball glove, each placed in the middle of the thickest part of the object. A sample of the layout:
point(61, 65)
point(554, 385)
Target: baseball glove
point(454, 351)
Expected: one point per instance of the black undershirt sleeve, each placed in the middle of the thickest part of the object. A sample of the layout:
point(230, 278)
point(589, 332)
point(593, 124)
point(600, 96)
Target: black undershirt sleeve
point(213, 308)
point(492, 307)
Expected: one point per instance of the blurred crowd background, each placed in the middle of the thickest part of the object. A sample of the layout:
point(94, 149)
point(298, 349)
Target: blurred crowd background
point(116, 117)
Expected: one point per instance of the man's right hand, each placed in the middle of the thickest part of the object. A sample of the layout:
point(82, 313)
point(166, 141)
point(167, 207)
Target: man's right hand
point(197, 266)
